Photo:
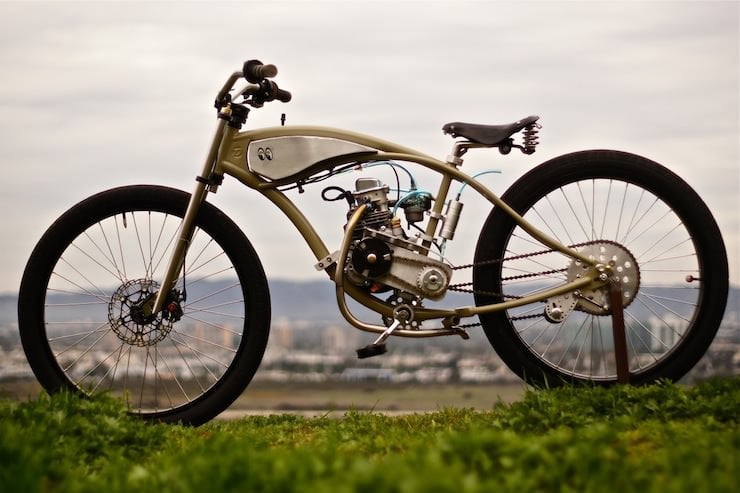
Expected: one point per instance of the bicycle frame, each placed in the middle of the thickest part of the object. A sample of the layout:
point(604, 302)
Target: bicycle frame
point(227, 156)
point(100, 310)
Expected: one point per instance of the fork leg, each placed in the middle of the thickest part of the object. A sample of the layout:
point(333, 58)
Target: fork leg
point(183, 241)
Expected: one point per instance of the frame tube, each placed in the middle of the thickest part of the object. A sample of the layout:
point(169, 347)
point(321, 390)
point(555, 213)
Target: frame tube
point(387, 151)
point(227, 156)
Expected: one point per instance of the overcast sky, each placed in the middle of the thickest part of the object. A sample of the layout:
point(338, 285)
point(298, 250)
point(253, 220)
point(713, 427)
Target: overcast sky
point(99, 94)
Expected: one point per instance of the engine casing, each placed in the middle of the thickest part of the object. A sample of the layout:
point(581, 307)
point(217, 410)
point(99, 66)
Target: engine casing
point(381, 260)
point(381, 257)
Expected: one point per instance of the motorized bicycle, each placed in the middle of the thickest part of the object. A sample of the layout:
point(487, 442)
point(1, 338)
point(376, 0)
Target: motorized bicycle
point(596, 266)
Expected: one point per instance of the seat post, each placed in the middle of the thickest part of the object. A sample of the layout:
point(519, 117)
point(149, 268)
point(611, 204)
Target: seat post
point(459, 148)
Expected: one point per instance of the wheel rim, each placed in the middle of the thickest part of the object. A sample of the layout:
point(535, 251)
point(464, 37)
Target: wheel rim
point(103, 341)
point(661, 301)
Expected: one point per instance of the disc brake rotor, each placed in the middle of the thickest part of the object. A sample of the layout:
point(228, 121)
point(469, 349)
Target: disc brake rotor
point(130, 317)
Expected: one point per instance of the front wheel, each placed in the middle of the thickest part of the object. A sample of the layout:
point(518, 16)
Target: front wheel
point(82, 306)
point(625, 211)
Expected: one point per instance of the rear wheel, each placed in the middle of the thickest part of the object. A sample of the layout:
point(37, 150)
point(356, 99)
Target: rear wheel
point(621, 209)
point(83, 317)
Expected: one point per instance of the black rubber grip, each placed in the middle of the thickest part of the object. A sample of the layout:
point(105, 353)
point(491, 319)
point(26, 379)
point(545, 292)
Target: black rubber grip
point(271, 91)
point(283, 95)
point(255, 71)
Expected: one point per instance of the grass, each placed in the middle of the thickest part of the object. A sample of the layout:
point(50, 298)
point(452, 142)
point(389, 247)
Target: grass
point(664, 438)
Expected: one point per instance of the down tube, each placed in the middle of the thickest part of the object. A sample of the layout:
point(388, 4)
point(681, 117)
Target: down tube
point(284, 204)
point(304, 227)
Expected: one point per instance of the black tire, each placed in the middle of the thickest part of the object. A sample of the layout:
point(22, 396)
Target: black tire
point(627, 208)
point(77, 315)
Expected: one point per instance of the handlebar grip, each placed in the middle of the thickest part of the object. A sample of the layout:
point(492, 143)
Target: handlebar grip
point(255, 71)
point(283, 95)
point(270, 92)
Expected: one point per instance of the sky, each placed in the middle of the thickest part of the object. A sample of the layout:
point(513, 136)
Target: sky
point(100, 94)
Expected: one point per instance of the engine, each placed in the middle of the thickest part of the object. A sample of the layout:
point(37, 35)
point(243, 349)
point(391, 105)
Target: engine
point(381, 256)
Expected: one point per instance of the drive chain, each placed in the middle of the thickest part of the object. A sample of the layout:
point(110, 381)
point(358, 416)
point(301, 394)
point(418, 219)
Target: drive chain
point(464, 287)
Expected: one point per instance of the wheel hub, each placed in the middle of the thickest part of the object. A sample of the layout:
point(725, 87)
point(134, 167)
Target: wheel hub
point(623, 267)
point(130, 314)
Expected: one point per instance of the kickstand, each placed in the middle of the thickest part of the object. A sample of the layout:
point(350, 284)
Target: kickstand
point(378, 346)
point(620, 336)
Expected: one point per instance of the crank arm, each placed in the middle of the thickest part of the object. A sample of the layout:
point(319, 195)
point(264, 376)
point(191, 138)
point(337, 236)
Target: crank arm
point(387, 333)
point(378, 346)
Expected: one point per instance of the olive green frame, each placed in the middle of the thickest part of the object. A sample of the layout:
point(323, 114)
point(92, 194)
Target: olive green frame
point(227, 156)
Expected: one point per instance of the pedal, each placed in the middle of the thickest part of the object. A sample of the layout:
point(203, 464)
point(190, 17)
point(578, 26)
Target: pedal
point(378, 345)
point(371, 350)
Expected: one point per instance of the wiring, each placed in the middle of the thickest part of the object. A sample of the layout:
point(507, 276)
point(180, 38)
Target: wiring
point(475, 176)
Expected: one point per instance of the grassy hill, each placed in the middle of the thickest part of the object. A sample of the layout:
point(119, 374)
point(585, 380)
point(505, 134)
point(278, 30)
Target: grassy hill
point(664, 438)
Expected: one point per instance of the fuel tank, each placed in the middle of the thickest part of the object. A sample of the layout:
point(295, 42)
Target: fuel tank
point(276, 158)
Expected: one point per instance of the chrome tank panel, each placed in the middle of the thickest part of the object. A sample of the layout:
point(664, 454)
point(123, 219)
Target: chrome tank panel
point(280, 157)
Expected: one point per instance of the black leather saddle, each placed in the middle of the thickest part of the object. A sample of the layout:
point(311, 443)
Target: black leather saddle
point(488, 135)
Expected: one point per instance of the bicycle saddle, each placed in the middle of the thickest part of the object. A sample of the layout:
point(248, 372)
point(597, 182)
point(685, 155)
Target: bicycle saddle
point(489, 135)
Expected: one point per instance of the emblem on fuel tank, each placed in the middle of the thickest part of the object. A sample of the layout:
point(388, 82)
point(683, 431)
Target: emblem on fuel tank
point(264, 153)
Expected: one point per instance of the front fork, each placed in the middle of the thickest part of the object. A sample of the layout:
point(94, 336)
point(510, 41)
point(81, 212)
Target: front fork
point(207, 181)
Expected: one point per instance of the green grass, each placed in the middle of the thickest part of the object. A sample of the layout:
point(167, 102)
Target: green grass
point(658, 438)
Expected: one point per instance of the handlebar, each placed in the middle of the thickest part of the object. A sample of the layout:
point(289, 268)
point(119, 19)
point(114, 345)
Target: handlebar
point(260, 88)
point(254, 71)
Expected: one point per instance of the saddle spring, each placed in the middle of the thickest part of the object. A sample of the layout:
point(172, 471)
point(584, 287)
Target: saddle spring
point(529, 137)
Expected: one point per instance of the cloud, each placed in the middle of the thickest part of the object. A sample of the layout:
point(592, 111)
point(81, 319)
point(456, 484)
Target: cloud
point(96, 97)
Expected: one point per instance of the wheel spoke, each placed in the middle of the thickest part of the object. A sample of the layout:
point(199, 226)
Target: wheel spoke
point(96, 318)
point(628, 214)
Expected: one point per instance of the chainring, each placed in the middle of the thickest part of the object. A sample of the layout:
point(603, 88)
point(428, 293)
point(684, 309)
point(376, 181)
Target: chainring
point(623, 265)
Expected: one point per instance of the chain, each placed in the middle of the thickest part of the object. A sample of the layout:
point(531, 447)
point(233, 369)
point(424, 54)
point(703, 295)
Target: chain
point(463, 287)
point(498, 261)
